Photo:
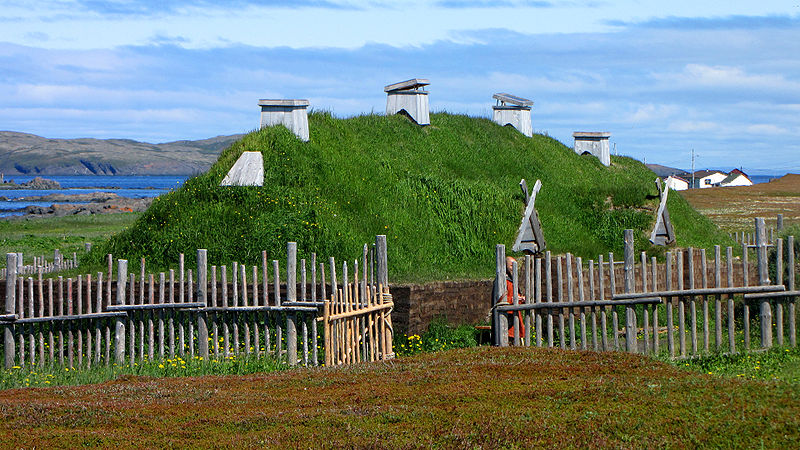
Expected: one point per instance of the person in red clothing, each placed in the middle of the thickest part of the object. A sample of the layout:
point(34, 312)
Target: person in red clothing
point(510, 299)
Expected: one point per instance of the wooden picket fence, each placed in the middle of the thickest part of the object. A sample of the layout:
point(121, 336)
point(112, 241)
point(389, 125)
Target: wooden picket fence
point(217, 313)
point(568, 304)
point(749, 236)
point(41, 264)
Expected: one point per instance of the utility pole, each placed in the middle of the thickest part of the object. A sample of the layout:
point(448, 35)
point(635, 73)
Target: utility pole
point(692, 168)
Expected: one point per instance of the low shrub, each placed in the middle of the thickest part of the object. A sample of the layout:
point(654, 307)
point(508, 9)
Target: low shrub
point(439, 336)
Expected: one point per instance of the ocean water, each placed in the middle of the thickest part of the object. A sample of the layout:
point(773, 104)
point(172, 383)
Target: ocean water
point(164, 182)
point(763, 178)
point(134, 186)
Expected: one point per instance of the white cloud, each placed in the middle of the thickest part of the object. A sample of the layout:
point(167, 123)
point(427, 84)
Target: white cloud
point(139, 124)
point(716, 77)
point(655, 89)
point(322, 23)
point(686, 126)
point(92, 97)
point(572, 109)
point(766, 129)
point(650, 112)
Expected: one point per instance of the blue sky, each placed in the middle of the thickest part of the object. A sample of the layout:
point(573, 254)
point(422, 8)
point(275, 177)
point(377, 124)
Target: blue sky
point(722, 78)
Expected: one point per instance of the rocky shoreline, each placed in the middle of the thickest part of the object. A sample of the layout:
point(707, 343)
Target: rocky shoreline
point(92, 203)
point(36, 183)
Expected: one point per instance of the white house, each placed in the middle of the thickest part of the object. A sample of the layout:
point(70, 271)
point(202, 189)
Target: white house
point(708, 178)
point(736, 178)
point(677, 183)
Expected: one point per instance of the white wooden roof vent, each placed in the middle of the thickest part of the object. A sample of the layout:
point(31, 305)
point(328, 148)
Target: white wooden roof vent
point(292, 113)
point(409, 96)
point(595, 143)
point(514, 111)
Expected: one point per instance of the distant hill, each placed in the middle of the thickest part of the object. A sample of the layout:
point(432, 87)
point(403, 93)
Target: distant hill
point(665, 171)
point(28, 154)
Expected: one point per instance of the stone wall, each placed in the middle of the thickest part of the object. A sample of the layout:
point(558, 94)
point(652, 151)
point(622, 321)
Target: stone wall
point(416, 305)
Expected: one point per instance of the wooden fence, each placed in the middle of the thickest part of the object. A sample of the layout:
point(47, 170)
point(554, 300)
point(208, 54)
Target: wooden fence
point(749, 236)
point(358, 319)
point(41, 264)
point(209, 313)
point(563, 302)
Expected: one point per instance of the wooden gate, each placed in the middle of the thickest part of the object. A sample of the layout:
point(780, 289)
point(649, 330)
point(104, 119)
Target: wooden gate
point(357, 319)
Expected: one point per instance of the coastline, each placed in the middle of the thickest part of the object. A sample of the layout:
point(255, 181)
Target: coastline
point(83, 195)
point(80, 204)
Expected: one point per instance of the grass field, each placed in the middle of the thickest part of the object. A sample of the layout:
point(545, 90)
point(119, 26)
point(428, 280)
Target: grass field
point(444, 195)
point(40, 236)
point(436, 394)
point(476, 397)
point(733, 208)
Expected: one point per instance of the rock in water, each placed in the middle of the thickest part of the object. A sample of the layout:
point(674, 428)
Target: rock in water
point(41, 183)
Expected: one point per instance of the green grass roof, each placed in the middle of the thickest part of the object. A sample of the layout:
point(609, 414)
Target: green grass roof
point(443, 194)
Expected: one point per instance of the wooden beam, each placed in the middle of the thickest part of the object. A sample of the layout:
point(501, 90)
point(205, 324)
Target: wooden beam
point(103, 315)
point(362, 311)
point(579, 304)
point(413, 83)
point(771, 295)
point(194, 305)
point(700, 291)
point(529, 235)
point(513, 99)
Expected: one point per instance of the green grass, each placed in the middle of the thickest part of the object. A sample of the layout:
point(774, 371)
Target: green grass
point(438, 337)
point(444, 195)
point(180, 366)
point(40, 236)
point(778, 363)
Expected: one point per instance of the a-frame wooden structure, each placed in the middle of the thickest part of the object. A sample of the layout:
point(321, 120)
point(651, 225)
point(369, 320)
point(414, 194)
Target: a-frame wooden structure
point(530, 238)
point(663, 233)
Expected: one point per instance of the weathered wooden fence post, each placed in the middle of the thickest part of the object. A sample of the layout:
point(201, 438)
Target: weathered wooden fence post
point(383, 279)
point(779, 282)
point(529, 323)
point(334, 309)
point(291, 296)
point(202, 297)
point(326, 312)
point(668, 301)
point(763, 279)
point(731, 311)
point(119, 330)
point(779, 226)
point(515, 297)
point(690, 268)
point(499, 293)
point(10, 309)
point(630, 312)
point(792, 307)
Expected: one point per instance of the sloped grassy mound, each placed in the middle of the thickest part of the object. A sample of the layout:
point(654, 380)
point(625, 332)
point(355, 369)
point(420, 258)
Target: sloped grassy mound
point(444, 195)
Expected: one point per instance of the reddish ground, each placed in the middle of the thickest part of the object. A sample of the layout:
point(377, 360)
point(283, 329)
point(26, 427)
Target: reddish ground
point(480, 397)
point(733, 208)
